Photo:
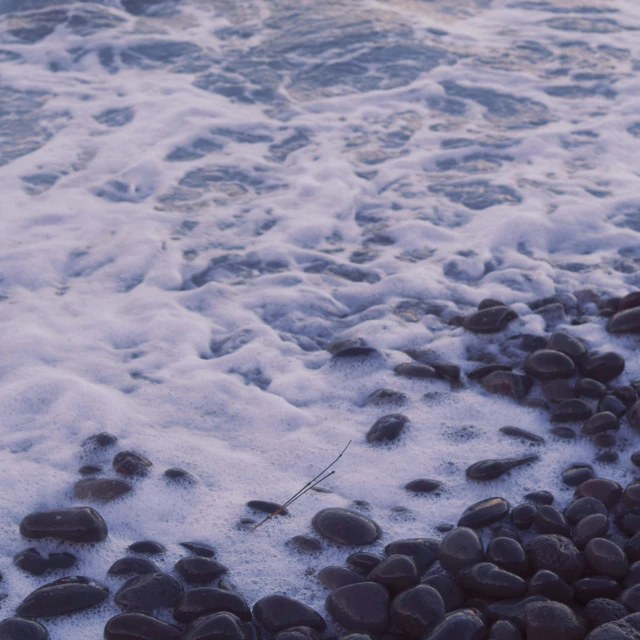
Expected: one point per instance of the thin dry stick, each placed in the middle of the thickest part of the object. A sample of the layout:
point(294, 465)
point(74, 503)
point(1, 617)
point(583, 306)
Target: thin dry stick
point(307, 487)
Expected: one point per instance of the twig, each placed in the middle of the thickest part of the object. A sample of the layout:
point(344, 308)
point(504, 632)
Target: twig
point(307, 487)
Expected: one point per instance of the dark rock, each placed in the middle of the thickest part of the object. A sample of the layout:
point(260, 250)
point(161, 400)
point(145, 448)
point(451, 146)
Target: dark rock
point(464, 624)
point(632, 548)
point(627, 321)
point(489, 320)
point(555, 553)
point(547, 364)
point(448, 588)
point(603, 368)
point(19, 629)
point(363, 561)
point(626, 394)
point(549, 520)
point(198, 570)
point(207, 600)
point(553, 621)
point(484, 513)
point(302, 633)
point(508, 554)
point(103, 489)
point(577, 474)
point(346, 527)
point(628, 628)
point(130, 463)
point(600, 422)
point(546, 583)
point(504, 630)
point(360, 607)
point(220, 626)
point(277, 612)
point(512, 610)
point(32, 562)
point(590, 388)
point(387, 396)
point(413, 370)
point(558, 390)
point(602, 610)
point(334, 577)
point(593, 526)
point(607, 491)
point(62, 597)
point(388, 428)
point(492, 469)
point(350, 348)
point(628, 521)
point(80, 524)
point(591, 587)
point(583, 507)
point(480, 372)
point(103, 440)
point(540, 497)
point(487, 303)
point(571, 411)
point(534, 403)
point(423, 551)
point(89, 470)
point(397, 573)
point(149, 592)
point(460, 548)
point(523, 515)
point(612, 405)
point(491, 581)
point(423, 485)
point(606, 558)
point(306, 544)
point(631, 495)
point(132, 566)
point(563, 432)
point(138, 626)
point(506, 531)
point(148, 547)
point(635, 459)
point(630, 598)
point(605, 440)
point(507, 383)
point(516, 432)
point(630, 301)
point(199, 549)
point(179, 475)
point(266, 507)
point(634, 416)
point(416, 611)
point(447, 371)
point(570, 346)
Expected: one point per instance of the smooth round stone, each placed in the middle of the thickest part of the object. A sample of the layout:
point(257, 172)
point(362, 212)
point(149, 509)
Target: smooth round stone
point(627, 321)
point(591, 587)
point(397, 573)
point(506, 531)
point(417, 610)
point(588, 388)
point(463, 624)
point(138, 626)
point(603, 368)
point(563, 432)
point(516, 432)
point(300, 633)
point(484, 513)
point(607, 457)
point(593, 526)
point(460, 548)
point(628, 628)
point(218, 626)
point(199, 549)
point(480, 372)
point(62, 597)
point(103, 489)
point(577, 474)
point(414, 370)
point(148, 547)
point(523, 515)
point(602, 610)
point(631, 495)
point(549, 520)
point(305, 544)
point(491, 581)
point(448, 588)
point(508, 554)
point(363, 561)
point(558, 390)
point(632, 548)
point(490, 320)
point(583, 507)
point(555, 553)
point(149, 592)
point(607, 491)
point(635, 459)
point(19, 629)
point(512, 610)
point(599, 423)
point(423, 551)
point(388, 428)
point(628, 521)
point(504, 630)
point(605, 440)
point(176, 475)
point(350, 348)
point(334, 577)
point(606, 558)
point(571, 411)
point(102, 440)
point(540, 497)
point(198, 570)
point(423, 485)
point(546, 583)
point(345, 527)
point(80, 524)
point(487, 303)
point(492, 469)
point(552, 621)
point(612, 405)
point(132, 566)
point(131, 463)
point(546, 364)
point(360, 607)
point(634, 416)
point(570, 346)
point(267, 507)
point(630, 301)
point(32, 562)
point(202, 601)
point(630, 598)
point(507, 383)
point(626, 394)
point(277, 612)
point(386, 396)
point(89, 469)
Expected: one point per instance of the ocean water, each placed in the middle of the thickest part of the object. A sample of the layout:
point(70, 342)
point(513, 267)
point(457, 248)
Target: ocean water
point(199, 196)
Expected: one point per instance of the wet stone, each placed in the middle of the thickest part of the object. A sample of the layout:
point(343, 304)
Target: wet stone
point(345, 527)
point(350, 348)
point(628, 628)
point(464, 624)
point(626, 394)
point(603, 368)
point(627, 321)
point(577, 474)
point(504, 630)
point(460, 548)
point(138, 626)
point(416, 611)
point(220, 625)
point(635, 459)
point(548, 584)
point(523, 515)
point(81, 524)
point(516, 432)
point(448, 588)
point(89, 470)
point(148, 547)
point(512, 610)
point(132, 566)
point(600, 422)
point(607, 457)
point(334, 577)
point(506, 531)
point(565, 433)
point(605, 440)
point(387, 396)
point(62, 597)
point(32, 562)
point(509, 555)
point(20, 629)
point(492, 469)
point(613, 405)
point(632, 548)
point(102, 440)
point(607, 491)
point(555, 553)
point(266, 507)
point(397, 573)
point(540, 497)
point(423, 551)
point(549, 520)
point(588, 388)
point(363, 561)
point(507, 383)
point(207, 600)
point(423, 485)
point(149, 592)
point(570, 346)
point(130, 463)
point(571, 411)
point(591, 587)
point(606, 558)
point(306, 544)
point(602, 610)
point(634, 416)
point(480, 372)
point(387, 428)
point(197, 570)
point(484, 513)
point(583, 507)
point(489, 320)
point(491, 581)
point(298, 633)
point(630, 598)
point(199, 549)
point(628, 521)
point(558, 390)
point(360, 607)
point(547, 364)
point(553, 621)
point(412, 370)
point(179, 475)
point(103, 489)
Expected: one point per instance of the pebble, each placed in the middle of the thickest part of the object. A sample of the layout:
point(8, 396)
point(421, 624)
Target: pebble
point(62, 597)
point(552, 621)
point(632, 548)
point(508, 554)
point(606, 558)
point(563, 432)
point(198, 570)
point(523, 515)
point(334, 577)
point(360, 607)
point(630, 598)
point(626, 321)
point(507, 383)
point(484, 513)
point(131, 463)
point(19, 629)
point(600, 422)
point(626, 394)
point(464, 624)
point(516, 432)
point(602, 610)
point(607, 491)
point(276, 612)
point(591, 587)
point(80, 524)
point(577, 474)
point(504, 630)
point(179, 475)
point(103, 489)
point(603, 368)
point(512, 610)
point(207, 600)
point(32, 562)
point(387, 396)
point(546, 583)
point(350, 348)
point(555, 553)
point(148, 547)
point(490, 320)
point(540, 497)
point(423, 551)
point(612, 405)
point(460, 548)
point(423, 485)
point(635, 459)
point(590, 388)
point(558, 390)
point(448, 588)
point(220, 625)
point(345, 527)
point(413, 370)
point(492, 469)
point(306, 544)
point(397, 573)
point(628, 628)
point(570, 346)
point(571, 411)
point(491, 581)
point(364, 561)
point(103, 440)
point(137, 626)
point(300, 633)
point(583, 507)
point(630, 301)
point(605, 440)
point(634, 416)
point(417, 611)
point(631, 495)
point(89, 469)
point(546, 364)
point(149, 592)
point(201, 549)
point(267, 507)
point(388, 428)
point(132, 566)
point(480, 372)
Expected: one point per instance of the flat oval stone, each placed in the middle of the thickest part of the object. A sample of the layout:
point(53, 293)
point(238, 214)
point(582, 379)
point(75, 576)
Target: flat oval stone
point(300, 633)
point(414, 370)
point(148, 547)
point(508, 554)
point(103, 440)
point(267, 507)
point(631, 495)
point(492, 469)
point(334, 577)
point(491, 581)
point(62, 597)
point(606, 558)
point(388, 428)
point(149, 592)
point(553, 621)
point(556, 553)
point(131, 463)
point(523, 515)
point(177, 475)
point(386, 396)
point(305, 544)
point(504, 630)
point(590, 388)
point(198, 570)
point(202, 601)
point(364, 561)
point(448, 588)
point(627, 321)
point(460, 548)
point(80, 524)
point(103, 489)
point(630, 598)
point(19, 629)
point(599, 423)
point(583, 507)
point(132, 566)
point(360, 607)
point(549, 520)
point(613, 405)
point(350, 348)
point(512, 610)
point(218, 626)
point(138, 626)
point(546, 583)
point(603, 368)
point(576, 474)
point(423, 551)
point(484, 513)
point(591, 587)
point(345, 527)
point(630, 301)
point(507, 383)
point(423, 485)
point(32, 562)
point(570, 346)
point(491, 320)
point(546, 364)
point(277, 612)
point(540, 497)
point(571, 411)
point(563, 432)
point(418, 610)
point(464, 624)
point(607, 491)
point(89, 469)
point(516, 432)
point(397, 573)
point(625, 629)
point(199, 549)
point(593, 526)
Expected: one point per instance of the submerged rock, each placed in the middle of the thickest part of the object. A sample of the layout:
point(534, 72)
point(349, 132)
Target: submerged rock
point(489, 320)
point(345, 527)
point(491, 469)
point(388, 428)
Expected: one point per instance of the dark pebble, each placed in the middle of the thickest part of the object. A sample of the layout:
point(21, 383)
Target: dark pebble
point(523, 515)
point(571, 411)
point(89, 470)
point(397, 573)
point(558, 390)
point(464, 624)
point(199, 549)
point(132, 566)
point(350, 348)
point(635, 459)
point(103, 489)
point(546, 583)
point(346, 527)
point(63, 597)
point(198, 570)
point(387, 396)
point(603, 368)
point(334, 577)
point(634, 416)
point(277, 612)
point(534, 403)
point(553, 621)
point(504, 630)
point(417, 611)
point(306, 544)
point(148, 547)
point(563, 432)
point(630, 598)
point(577, 474)
point(423, 485)
point(489, 320)
point(509, 555)
point(540, 497)
point(32, 562)
point(607, 457)
point(630, 301)
point(267, 507)
point(593, 526)
point(516, 432)
point(583, 507)
point(547, 364)
point(591, 587)
point(363, 561)
point(103, 439)
point(589, 388)
point(507, 383)
point(506, 531)
point(628, 521)
point(612, 405)
point(570, 346)
point(423, 551)
point(460, 548)
point(448, 588)
point(447, 371)
point(625, 629)
point(491, 581)
point(360, 607)
point(388, 428)
point(179, 475)
point(130, 463)
point(600, 422)
point(80, 524)
point(606, 558)
point(605, 440)
point(484, 513)
point(487, 303)
point(626, 394)
point(413, 370)
point(220, 626)
point(602, 610)
point(632, 548)
point(512, 610)
point(480, 372)
point(149, 592)
point(627, 321)
point(19, 629)
point(207, 600)
point(549, 520)
point(555, 553)
point(607, 491)
point(492, 469)
point(298, 633)
point(138, 626)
